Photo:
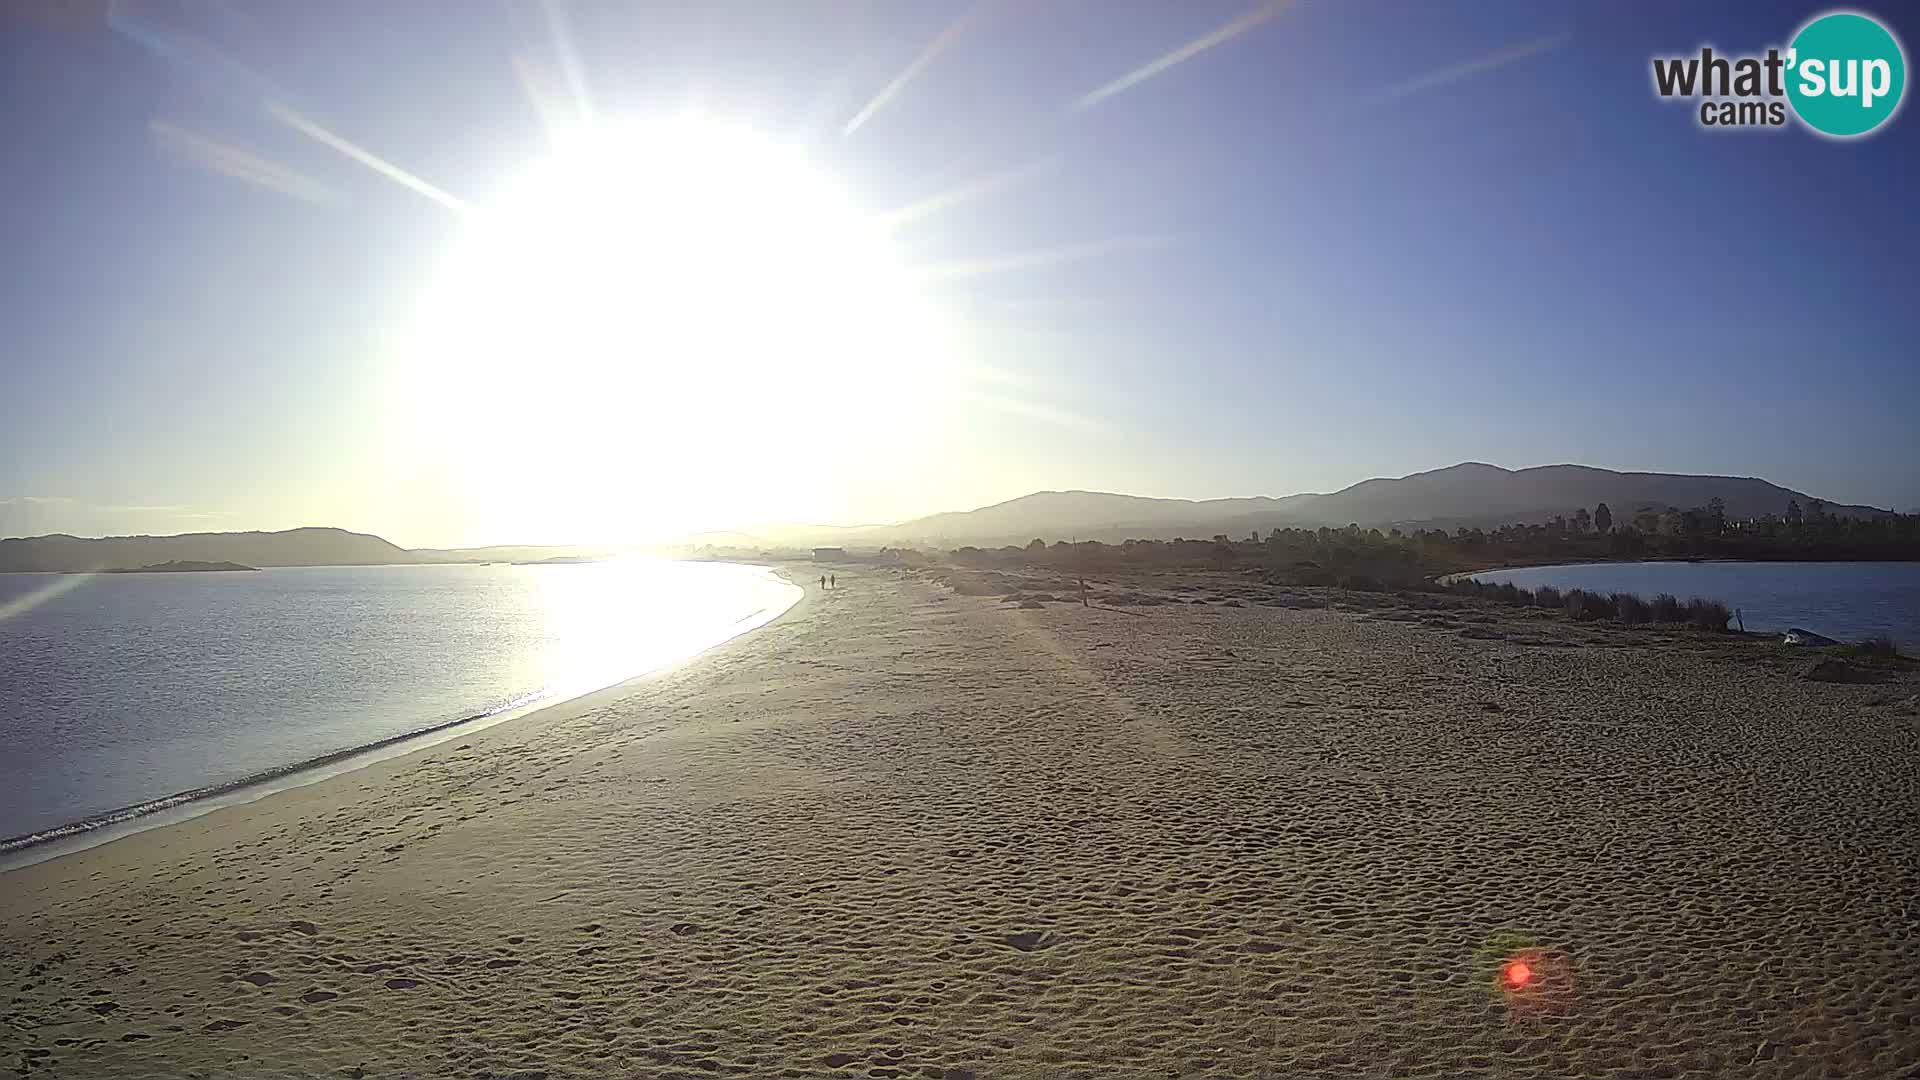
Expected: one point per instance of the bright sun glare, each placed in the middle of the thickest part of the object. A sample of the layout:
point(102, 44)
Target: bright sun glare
point(663, 310)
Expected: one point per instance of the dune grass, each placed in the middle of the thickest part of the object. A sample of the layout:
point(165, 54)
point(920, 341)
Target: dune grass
point(1586, 606)
point(1879, 651)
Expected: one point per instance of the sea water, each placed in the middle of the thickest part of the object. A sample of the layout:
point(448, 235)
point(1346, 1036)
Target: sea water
point(1844, 600)
point(123, 694)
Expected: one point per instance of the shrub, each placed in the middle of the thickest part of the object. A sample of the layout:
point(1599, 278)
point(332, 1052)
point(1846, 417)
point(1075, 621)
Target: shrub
point(1470, 587)
point(1547, 596)
point(1881, 646)
point(1708, 614)
point(1311, 573)
point(1587, 606)
point(1505, 592)
point(1630, 609)
point(1666, 608)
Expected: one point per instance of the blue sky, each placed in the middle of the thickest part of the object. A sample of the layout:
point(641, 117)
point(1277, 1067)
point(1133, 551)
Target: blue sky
point(1358, 239)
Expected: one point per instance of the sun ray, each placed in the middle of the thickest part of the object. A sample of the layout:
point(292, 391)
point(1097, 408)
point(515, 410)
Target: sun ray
point(1032, 410)
point(391, 171)
point(190, 53)
point(1476, 66)
point(1053, 304)
point(990, 184)
point(1184, 53)
point(539, 82)
point(1028, 260)
point(932, 52)
point(20, 605)
point(206, 152)
point(569, 57)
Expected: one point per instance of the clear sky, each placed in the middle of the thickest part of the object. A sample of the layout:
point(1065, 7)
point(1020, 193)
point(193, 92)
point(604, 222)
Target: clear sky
point(276, 264)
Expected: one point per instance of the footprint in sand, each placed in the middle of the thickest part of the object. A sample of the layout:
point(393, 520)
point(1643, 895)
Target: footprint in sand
point(259, 978)
point(402, 984)
point(315, 997)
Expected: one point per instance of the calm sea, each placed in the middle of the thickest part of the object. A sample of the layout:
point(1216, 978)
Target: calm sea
point(123, 691)
point(1844, 600)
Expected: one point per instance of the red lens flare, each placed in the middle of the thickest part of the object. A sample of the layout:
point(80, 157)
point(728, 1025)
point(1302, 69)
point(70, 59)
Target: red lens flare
point(1519, 973)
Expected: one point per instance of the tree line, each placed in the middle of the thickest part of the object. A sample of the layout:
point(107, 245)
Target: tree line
point(1393, 559)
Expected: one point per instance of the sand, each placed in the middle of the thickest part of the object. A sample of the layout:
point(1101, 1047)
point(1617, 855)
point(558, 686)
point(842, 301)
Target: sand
point(902, 832)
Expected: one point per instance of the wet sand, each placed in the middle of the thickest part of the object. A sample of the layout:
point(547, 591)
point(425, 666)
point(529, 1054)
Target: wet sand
point(903, 832)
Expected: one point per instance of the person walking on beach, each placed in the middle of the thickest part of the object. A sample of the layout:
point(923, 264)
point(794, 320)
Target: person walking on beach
point(833, 581)
point(823, 583)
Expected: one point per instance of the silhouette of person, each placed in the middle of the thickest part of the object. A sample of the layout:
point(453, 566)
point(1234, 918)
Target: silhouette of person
point(823, 581)
point(833, 581)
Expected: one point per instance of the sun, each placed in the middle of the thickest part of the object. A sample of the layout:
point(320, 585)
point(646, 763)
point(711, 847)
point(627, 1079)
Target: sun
point(672, 309)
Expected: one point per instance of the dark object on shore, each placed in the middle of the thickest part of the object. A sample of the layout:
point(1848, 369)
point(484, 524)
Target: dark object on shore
point(1880, 647)
point(1877, 659)
point(1797, 636)
point(1834, 670)
point(185, 566)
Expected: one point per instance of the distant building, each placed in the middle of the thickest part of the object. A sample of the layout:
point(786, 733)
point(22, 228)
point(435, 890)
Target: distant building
point(829, 554)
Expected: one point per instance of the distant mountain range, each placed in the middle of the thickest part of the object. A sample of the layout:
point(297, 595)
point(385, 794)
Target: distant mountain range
point(294, 547)
point(1470, 494)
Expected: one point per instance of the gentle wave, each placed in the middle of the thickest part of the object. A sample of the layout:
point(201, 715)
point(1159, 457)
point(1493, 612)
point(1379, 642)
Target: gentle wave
point(168, 802)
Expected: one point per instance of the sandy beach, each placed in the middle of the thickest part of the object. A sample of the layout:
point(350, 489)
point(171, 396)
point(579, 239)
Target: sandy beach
point(907, 832)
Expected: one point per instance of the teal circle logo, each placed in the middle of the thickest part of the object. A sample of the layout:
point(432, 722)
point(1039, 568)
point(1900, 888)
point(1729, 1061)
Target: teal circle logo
point(1846, 74)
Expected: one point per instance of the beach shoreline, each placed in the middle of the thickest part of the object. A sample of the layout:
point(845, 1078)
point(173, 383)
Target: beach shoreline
point(906, 832)
point(174, 808)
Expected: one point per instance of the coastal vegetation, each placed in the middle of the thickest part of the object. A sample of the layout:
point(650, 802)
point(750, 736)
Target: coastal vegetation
point(1582, 605)
point(1358, 558)
point(1435, 560)
point(1878, 651)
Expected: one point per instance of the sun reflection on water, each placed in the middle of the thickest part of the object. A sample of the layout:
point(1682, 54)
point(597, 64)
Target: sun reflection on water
point(605, 622)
